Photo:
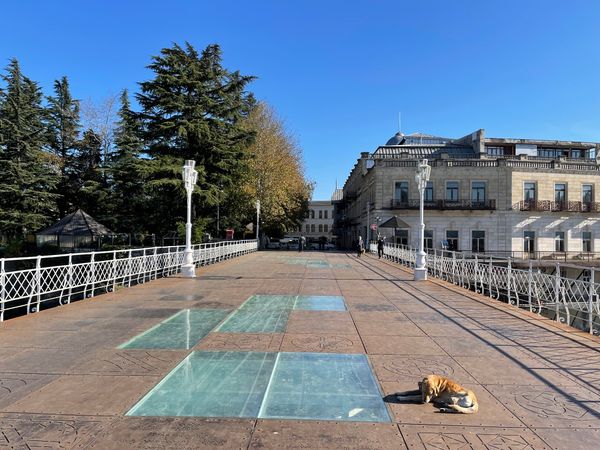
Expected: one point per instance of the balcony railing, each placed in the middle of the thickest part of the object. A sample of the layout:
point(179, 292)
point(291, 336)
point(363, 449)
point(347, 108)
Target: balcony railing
point(445, 204)
point(549, 205)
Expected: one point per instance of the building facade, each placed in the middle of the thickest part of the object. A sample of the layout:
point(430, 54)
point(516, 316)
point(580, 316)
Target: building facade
point(319, 222)
point(517, 197)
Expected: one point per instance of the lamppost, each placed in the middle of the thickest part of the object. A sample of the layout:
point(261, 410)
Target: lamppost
point(422, 177)
point(257, 220)
point(368, 236)
point(190, 176)
point(219, 192)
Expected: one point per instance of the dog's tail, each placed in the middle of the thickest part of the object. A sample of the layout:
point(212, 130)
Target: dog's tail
point(461, 409)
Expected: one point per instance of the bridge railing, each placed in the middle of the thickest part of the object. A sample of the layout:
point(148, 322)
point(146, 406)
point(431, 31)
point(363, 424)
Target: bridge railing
point(567, 300)
point(30, 284)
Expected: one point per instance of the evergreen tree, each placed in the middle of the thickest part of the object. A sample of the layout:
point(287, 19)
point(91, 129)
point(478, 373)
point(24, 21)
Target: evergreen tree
point(127, 170)
point(28, 174)
point(92, 189)
point(63, 137)
point(193, 109)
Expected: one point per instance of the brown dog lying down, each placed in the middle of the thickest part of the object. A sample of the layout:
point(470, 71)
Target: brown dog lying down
point(444, 393)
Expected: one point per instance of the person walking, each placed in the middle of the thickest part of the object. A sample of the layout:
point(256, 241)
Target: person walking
point(301, 242)
point(380, 246)
point(360, 247)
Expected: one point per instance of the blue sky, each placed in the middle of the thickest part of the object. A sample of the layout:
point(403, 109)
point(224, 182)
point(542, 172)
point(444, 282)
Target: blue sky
point(338, 72)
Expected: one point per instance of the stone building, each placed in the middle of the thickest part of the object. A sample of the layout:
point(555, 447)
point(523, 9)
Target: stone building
point(519, 197)
point(319, 222)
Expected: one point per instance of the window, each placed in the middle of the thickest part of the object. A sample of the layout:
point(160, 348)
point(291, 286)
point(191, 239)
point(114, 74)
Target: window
point(529, 192)
point(312, 213)
point(428, 193)
point(320, 228)
point(325, 214)
point(587, 193)
point(452, 239)
point(478, 191)
point(559, 241)
point(560, 192)
point(428, 241)
point(478, 241)
point(494, 151)
point(307, 228)
point(452, 191)
point(576, 153)
point(401, 191)
point(320, 214)
point(312, 228)
point(529, 241)
point(586, 241)
point(325, 228)
point(402, 237)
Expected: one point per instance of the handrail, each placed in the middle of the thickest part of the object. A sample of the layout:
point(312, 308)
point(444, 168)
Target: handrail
point(567, 300)
point(30, 284)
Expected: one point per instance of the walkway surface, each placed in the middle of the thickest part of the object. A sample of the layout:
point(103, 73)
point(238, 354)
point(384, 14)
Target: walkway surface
point(64, 383)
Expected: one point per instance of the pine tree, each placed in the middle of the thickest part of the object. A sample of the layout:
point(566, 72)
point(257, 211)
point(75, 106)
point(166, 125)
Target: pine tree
point(193, 109)
point(63, 137)
point(92, 189)
point(127, 171)
point(28, 174)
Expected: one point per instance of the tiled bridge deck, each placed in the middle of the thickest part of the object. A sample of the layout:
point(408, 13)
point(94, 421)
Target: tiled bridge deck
point(64, 383)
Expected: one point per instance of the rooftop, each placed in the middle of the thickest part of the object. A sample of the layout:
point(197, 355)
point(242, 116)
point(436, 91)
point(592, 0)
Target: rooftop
point(289, 328)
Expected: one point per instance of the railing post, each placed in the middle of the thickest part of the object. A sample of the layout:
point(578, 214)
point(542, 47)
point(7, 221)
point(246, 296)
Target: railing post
point(2, 289)
point(129, 268)
point(509, 280)
point(93, 272)
point(557, 291)
point(591, 293)
point(454, 267)
point(70, 278)
point(114, 271)
point(462, 271)
point(38, 282)
point(155, 262)
point(476, 266)
point(529, 283)
point(490, 277)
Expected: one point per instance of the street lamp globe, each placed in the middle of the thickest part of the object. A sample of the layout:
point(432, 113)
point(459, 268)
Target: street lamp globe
point(190, 177)
point(422, 177)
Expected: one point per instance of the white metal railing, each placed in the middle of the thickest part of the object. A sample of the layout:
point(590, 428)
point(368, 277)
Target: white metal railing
point(572, 301)
point(30, 284)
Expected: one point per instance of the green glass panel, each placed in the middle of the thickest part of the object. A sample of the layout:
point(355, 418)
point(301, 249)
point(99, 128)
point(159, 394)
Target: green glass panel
point(211, 384)
point(322, 386)
point(269, 302)
point(320, 303)
point(181, 331)
point(256, 321)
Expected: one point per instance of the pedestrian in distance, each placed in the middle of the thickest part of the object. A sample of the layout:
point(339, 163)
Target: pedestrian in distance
point(380, 246)
point(301, 243)
point(360, 247)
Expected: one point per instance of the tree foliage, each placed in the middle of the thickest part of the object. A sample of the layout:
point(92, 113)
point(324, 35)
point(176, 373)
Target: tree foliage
point(28, 173)
point(125, 170)
point(276, 174)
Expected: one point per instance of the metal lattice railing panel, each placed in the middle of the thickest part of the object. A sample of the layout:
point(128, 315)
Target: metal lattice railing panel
point(53, 281)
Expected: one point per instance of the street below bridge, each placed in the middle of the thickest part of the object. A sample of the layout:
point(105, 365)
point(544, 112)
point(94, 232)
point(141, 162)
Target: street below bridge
point(88, 374)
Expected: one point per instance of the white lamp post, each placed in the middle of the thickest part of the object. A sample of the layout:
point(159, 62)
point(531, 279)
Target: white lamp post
point(190, 176)
point(257, 220)
point(422, 177)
